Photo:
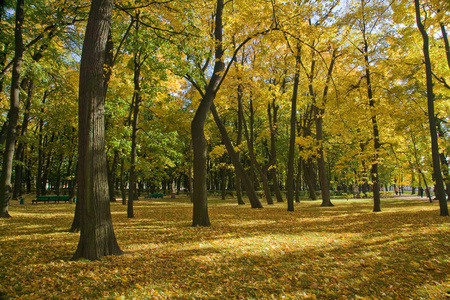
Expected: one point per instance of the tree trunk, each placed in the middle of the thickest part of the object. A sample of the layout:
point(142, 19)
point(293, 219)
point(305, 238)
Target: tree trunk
point(76, 223)
point(4, 132)
point(122, 182)
point(308, 171)
point(251, 152)
point(97, 238)
point(298, 181)
point(200, 193)
point(200, 210)
point(40, 151)
point(238, 144)
point(13, 114)
point(58, 175)
point(191, 182)
point(445, 174)
point(319, 111)
point(28, 179)
point(376, 138)
point(72, 182)
point(134, 125)
point(444, 163)
point(245, 179)
point(112, 177)
point(273, 122)
point(439, 189)
point(223, 181)
point(28, 84)
point(47, 167)
point(291, 157)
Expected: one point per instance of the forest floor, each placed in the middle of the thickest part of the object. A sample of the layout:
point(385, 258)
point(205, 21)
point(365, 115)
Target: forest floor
point(340, 252)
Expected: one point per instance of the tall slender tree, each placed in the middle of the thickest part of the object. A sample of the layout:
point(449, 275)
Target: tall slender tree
point(439, 189)
point(293, 127)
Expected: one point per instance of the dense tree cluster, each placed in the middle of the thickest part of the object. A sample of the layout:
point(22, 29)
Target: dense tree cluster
point(235, 96)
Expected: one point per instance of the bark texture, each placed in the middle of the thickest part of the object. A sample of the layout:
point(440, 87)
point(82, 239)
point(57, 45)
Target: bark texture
point(13, 115)
point(97, 238)
point(199, 196)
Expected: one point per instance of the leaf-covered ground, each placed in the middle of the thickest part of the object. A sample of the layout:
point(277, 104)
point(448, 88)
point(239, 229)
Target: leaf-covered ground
point(340, 252)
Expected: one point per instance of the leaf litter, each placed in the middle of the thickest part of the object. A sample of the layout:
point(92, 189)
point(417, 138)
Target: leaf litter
point(344, 253)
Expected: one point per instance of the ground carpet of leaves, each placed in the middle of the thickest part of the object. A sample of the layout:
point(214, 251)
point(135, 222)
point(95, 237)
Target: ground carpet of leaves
point(340, 252)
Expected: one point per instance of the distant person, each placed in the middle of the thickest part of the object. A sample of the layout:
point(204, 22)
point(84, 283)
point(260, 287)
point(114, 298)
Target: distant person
point(420, 192)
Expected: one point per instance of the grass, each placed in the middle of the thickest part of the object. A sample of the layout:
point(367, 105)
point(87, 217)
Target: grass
point(340, 252)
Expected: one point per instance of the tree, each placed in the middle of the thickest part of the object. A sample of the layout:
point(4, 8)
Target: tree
point(293, 129)
point(439, 189)
point(242, 175)
point(319, 111)
point(97, 238)
point(200, 211)
point(13, 114)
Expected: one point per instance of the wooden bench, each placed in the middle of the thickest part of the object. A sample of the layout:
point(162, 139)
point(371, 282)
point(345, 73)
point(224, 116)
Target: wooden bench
point(47, 199)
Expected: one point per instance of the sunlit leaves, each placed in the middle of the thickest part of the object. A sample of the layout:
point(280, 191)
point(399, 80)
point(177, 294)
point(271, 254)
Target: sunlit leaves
point(264, 254)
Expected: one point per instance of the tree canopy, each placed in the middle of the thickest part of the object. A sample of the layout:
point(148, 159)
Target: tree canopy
point(356, 70)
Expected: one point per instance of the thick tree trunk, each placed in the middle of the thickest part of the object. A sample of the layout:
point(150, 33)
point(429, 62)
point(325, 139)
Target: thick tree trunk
point(439, 189)
point(97, 238)
point(200, 210)
point(13, 115)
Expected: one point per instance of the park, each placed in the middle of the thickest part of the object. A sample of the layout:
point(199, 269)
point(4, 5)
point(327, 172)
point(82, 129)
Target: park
point(340, 252)
point(224, 149)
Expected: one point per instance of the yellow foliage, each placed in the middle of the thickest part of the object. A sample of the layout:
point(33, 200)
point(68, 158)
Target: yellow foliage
point(217, 151)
